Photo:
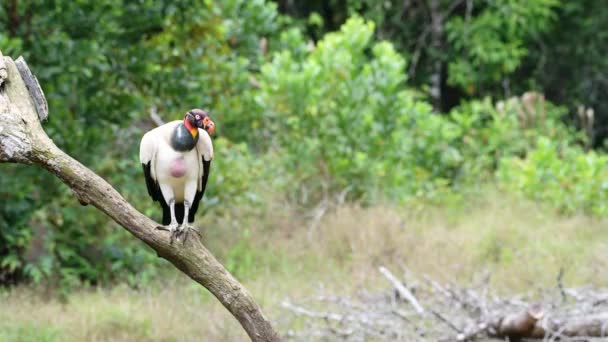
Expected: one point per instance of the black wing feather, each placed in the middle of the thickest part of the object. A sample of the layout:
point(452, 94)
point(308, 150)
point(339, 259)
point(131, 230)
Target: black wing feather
point(179, 213)
point(151, 184)
point(166, 211)
point(199, 194)
point(156, 194)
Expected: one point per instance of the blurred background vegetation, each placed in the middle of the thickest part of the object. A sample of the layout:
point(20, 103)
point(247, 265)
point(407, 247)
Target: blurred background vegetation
point(406, 104)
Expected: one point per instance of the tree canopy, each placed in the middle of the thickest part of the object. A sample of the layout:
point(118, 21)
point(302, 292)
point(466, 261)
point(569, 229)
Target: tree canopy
point(376, 100)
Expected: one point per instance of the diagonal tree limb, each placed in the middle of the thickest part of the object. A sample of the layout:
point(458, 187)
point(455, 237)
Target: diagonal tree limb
point(23, 140)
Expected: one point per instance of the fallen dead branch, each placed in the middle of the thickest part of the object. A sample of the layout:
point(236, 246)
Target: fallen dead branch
point(402, 290)
point(440, 312)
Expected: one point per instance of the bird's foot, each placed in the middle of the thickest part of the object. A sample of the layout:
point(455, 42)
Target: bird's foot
point(184, 231)
point(172, 228)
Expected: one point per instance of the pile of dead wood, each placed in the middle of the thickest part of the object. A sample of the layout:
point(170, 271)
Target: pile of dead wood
point(425, 310)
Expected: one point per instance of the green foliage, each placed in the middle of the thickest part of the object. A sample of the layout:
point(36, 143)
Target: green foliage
point(487, 47)
point(568, 177)
point(487, 132)
point(344, 119)
point(241, 258)
point(570, 61)
point(492, 45)
point(301, 112)
point(241, 178)
point(29, 332)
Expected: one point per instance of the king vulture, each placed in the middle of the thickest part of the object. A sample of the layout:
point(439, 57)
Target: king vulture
point(176, 158)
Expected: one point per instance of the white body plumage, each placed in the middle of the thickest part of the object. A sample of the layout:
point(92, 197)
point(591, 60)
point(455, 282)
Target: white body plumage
point(176, 174)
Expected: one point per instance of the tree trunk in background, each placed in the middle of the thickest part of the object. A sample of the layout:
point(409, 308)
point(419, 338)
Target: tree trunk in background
point(437, 75)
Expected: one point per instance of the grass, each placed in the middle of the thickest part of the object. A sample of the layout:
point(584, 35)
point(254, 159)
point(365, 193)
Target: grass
point(521, 244)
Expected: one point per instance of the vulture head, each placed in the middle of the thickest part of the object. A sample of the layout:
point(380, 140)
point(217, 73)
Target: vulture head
point(199, 118)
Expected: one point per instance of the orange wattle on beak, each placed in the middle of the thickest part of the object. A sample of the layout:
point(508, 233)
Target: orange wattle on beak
point(209, 126)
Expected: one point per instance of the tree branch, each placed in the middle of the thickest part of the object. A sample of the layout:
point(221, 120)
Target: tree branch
point(23, 140)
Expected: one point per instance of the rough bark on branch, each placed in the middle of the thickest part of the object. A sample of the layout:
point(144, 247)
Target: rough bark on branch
point(23, 140)
point(518, 325)
point(532, 323)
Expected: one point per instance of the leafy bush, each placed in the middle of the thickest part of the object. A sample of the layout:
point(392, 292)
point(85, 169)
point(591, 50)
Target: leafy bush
point(344, 120)
point(493, 44)
point(489, 132)
point(242, 178)
point(568, 177)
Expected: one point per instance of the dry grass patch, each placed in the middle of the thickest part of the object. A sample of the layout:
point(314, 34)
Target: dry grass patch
point(522, 245)
point(518, 242)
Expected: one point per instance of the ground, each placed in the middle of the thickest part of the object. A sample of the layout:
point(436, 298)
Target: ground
point(520, 244)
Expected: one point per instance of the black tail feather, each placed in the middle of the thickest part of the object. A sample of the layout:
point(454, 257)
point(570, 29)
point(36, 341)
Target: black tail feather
point(179, 212)
point(166, 211)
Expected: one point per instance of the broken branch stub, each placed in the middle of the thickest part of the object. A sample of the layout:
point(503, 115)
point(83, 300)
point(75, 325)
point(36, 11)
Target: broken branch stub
point(3, 72)
point(24, 141)
point(36, 93)
point(16, 116)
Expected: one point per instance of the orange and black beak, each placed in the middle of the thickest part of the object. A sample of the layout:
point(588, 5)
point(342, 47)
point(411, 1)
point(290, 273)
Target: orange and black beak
point(208, 125)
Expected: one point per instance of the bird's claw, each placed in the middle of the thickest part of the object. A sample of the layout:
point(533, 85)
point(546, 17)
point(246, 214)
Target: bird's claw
point(184, 230)
point(173, 230)
point(178, 231)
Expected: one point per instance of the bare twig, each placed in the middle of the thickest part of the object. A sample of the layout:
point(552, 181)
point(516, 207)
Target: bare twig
point(560, 284)
point(155, 117)
point(446, 321)
point(305, 312)
point(472, 333)
point(402, 290)
point(317, 215)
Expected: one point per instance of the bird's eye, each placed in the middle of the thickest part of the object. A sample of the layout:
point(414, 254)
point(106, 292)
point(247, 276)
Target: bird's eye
point(198, 117)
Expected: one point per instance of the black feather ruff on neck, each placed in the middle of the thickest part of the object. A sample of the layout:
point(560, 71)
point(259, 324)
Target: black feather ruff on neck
point(182, 140)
